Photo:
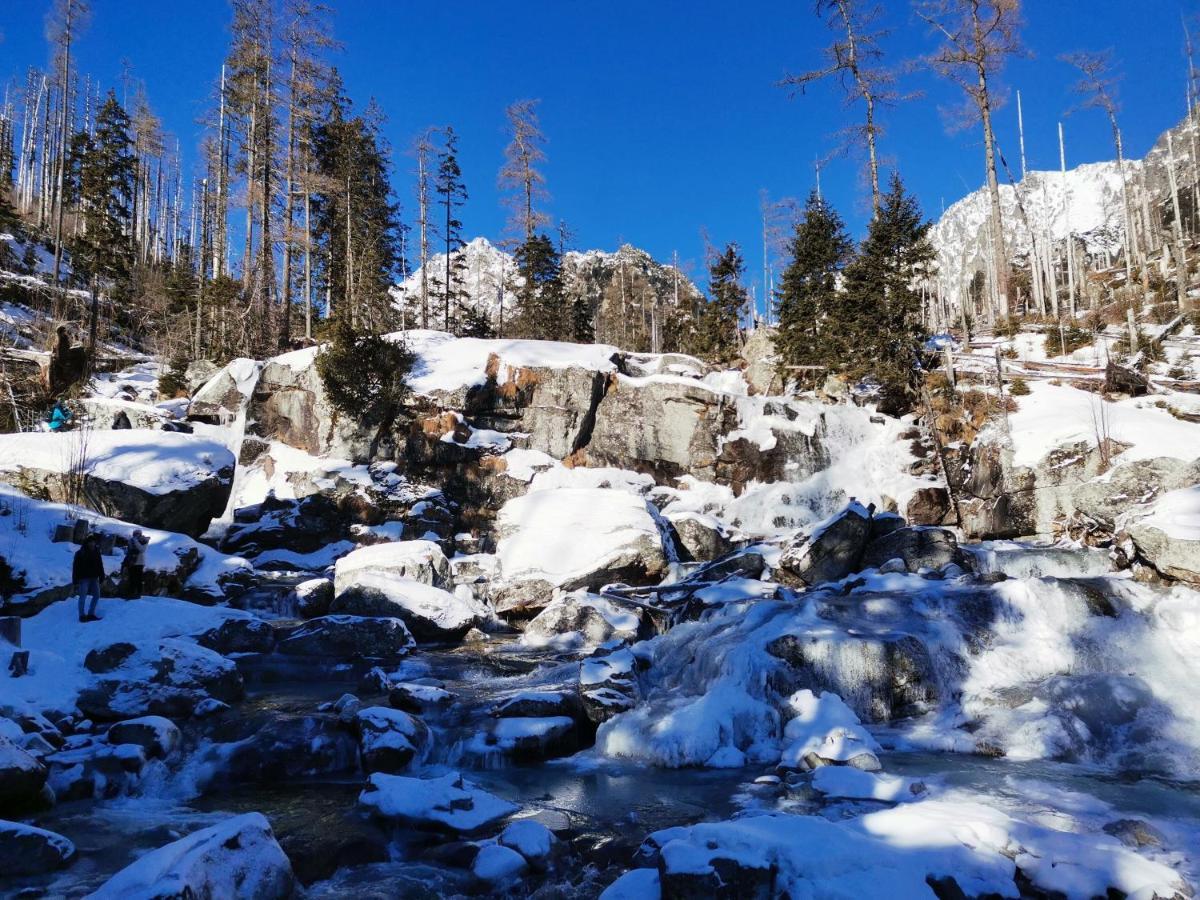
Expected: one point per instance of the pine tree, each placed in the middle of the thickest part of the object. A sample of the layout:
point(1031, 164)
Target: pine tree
point(448, 185)
point(880, 315)
point(356, 221)
point(808, 296)
point(718, 335)
point(103, 171)
point(542, 305)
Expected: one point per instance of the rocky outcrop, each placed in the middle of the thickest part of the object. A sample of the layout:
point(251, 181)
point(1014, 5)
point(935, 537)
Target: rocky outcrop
point(235, 858)
point(918, 548)
point(1167, 536)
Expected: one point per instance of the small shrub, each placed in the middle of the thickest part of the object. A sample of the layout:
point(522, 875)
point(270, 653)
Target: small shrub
point(1018, 387)
point(364, 374)
point(1007, 328)
point(173, 382)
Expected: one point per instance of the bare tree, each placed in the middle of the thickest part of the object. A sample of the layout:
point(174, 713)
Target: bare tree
point(64, 24)
point(1097, 89)
point(853, 58)
point(520, 173)
point(423, 149)
point(978, 37)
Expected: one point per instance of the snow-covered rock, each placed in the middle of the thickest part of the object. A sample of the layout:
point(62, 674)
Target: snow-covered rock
point(608, 685)
point(177, 482)
point(21, 776)
point(532, 738)
point(849, 783)
point(919, 547)
point(449, 802)
point(1168, 535)
point(313, 597)
point(573, 538)
point(390, 740)
point(830, 551)
point(531, 839)
point(238, 857)
point(156, 735)
point(579, 620)
point(495, 862)
point(824, 732)
point(421, 561)
point(26, 850)
point(431, 614)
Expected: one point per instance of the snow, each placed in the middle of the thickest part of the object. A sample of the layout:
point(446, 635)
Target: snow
point(636, 884)
point(414, 560)
point(235, 858)
point(446, 364)
point(1176, 514)
point(157, 462)
point(448, 800)
point(58, 643)
point(444, 610)
point(1052, 416)
point(495, 862)
point(27, 525)
point(825, 726)
point(565, 534)
point(531, 839)
point(847, 782)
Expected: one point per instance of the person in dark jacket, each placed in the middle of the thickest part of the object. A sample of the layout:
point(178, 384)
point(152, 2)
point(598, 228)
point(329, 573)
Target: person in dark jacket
point(87, 571)
point(135, 564)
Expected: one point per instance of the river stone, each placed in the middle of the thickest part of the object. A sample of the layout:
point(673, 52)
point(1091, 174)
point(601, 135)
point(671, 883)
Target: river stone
point(581, 618)
point(349, 637)
point(239, 635)
point(701, 537)
point(313, 597)
point(26, 850)
point(389, 739)
point(421, 561)
point(21, 777)
point(919, 547)
point(430, 613)
point(831, 552)
point(238, 857)
point(157, 736)
point(286, 747)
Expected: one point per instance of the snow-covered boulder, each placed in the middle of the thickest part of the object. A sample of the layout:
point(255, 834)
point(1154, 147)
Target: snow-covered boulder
point(313, 597)
point(223, 395)
point(608, 685)
point(702, 538)
point(573, 538)
point(532, 738)
point(530, 838)
point(104, 412)
point(171, 678)
point(430, 613)
point(417, 698)
point(21, 776)
point(26, 850)
point(177, 482)
point(849, 783)
point(1168, 536)
point(390, 740)
point(826, 732)
point(421, 561)
point(156, 735)
point(448, 802)
point(238, 857)
point(349, 637)
point(580, 619)
point(238, 634)
point(830, 551)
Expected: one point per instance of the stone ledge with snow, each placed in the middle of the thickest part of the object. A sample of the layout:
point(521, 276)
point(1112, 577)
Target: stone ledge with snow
point(1168, 535)
point(431, 614)
point(177, 482)
point(574, 538)
point(448, 802)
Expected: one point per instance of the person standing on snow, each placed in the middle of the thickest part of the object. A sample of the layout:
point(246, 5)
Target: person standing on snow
point(135, 564)
point(87, 571)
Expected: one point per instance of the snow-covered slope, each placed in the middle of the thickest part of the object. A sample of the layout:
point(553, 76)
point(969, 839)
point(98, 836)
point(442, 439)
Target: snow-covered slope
point(1085, 202)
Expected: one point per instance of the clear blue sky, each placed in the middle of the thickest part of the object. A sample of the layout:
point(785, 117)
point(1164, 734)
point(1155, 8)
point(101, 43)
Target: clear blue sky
point(662, 117)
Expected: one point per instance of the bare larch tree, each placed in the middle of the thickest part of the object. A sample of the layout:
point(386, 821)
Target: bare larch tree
point(520, 173)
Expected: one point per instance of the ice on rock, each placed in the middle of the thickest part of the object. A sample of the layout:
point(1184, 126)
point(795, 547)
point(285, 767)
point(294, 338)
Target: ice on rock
point(849, 783)
point(448, 801)
point(826, 731)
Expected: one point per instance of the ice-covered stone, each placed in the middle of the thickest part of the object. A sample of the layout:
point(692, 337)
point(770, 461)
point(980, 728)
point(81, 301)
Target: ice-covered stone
point(26, 850)
point(448, 801)
point(349, 637)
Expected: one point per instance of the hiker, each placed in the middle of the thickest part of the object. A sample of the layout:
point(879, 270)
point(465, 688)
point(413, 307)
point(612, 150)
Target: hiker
point(135, 564)
point(87, 571)
point(60, 418)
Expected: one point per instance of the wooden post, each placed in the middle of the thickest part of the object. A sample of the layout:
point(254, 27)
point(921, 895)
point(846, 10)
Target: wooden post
point(1133, 332)
point(950, 368)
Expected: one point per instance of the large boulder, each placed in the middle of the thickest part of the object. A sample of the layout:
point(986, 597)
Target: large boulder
point(238, 857)
point(21, 777)
point(574, 538)
point(430, 613)
point(701, 538)
point(918, 547)
point(1168, 536)
point(26, 850)
point(421, 561)
point(169, 679)
point(225, 392)
point(580, 619)
point(157, 736)
point(831, 551)
point(176, 482)
point(349, 637)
